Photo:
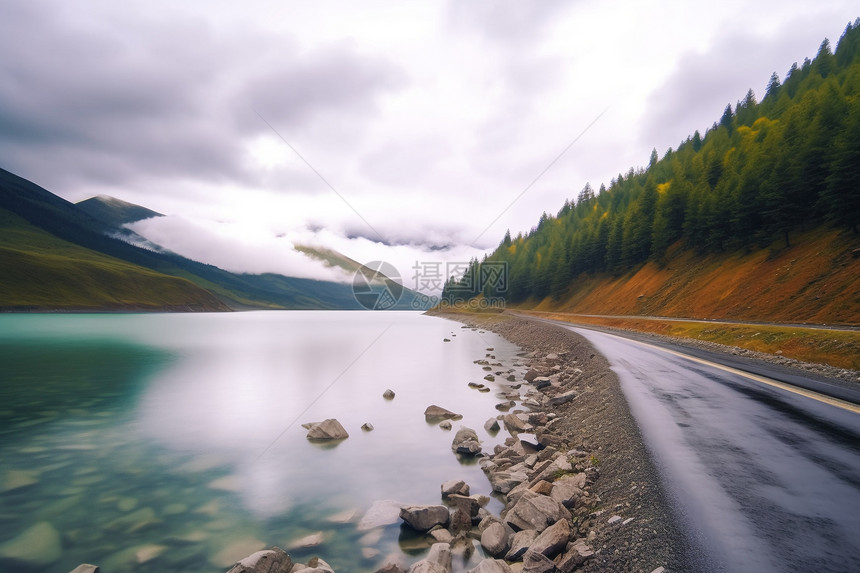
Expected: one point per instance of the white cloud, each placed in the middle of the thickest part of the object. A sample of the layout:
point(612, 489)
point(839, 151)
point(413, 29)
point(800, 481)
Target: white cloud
point(426, 119)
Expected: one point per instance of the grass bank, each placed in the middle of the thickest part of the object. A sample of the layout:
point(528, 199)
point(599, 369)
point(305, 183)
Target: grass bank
point(839, 348)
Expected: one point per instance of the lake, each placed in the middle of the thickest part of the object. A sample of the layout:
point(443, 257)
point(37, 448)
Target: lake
point(173, 442)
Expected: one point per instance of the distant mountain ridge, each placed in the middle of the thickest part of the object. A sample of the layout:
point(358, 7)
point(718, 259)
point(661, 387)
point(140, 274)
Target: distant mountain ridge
point(115, 212)
point(90, 231)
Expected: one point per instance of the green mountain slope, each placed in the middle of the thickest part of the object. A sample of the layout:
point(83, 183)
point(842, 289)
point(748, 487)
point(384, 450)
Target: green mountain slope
point(765, 176)
point(408, 298)
point(43, 272)
point(64, 220)
point(113, 211)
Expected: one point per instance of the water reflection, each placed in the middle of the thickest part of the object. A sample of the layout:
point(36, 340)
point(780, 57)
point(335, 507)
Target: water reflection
point(149, 432)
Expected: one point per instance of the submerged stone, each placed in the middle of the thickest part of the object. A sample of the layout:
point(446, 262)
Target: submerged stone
point(18, 479)
point(37, 547)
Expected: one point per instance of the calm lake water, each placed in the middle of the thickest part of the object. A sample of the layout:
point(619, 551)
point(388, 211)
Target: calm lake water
point(173, 442)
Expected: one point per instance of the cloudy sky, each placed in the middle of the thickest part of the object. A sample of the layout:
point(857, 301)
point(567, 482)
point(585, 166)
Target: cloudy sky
point(401, 131)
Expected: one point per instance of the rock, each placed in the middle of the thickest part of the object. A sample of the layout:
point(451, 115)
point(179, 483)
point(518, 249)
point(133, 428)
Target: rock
point(504, 482)
point(469, 505)
point(369, 552)
point(537, 563)
point(345, 516)
point(494, 539)
point(308, 541)
point(442, 535)
point(424, 517)
point(393, 564)
point(568, 489)
point(614, 519)
point(329, 429)
point(515, 424)
point(18, 479)
point(382, 512)
point(530, 440)
point(543, 487)
point(454, 486)
point(541, 382)
point(576, 554)
point(505, 406)
point(438, 560)
point(531, 375)
point(562, 398)
point(491, 566)
point(534, 511)
point(317, 565)
point(445, 425)
point(388, 394)
point(461, 523)
point(85, 568)
point(36, 547)
point(438, 412)
point(463, 547)
point(367, 427)
point(520, 543)
point(552, 541)
point(491, 426)
point(466, 442)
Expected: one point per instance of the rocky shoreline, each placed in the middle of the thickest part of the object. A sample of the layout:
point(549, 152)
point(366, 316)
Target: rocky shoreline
point(578, 490)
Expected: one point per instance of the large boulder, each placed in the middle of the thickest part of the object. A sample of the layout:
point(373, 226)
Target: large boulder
point(538, 563)
point(568, 489)
point(520, 543)
point(86, 568)
point(516, 424)
point(466, 442)
point(535, 511)
point(504, 482)
point(576, 554)
point(329, 429)
point(424, 517)
point(468, 504)
point(494, 539)
point(273, 560)
point(553, 539)
point(454, 486)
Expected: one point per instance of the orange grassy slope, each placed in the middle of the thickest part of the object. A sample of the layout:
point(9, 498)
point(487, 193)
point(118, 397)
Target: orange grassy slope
point(817, 280)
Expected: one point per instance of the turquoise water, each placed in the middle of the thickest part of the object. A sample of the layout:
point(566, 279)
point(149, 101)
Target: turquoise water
point(173, 442)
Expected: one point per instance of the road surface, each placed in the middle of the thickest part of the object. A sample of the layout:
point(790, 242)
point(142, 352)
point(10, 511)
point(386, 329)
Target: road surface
point(762, 477)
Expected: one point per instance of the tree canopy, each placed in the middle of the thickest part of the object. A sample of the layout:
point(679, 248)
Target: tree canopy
point(764, 170)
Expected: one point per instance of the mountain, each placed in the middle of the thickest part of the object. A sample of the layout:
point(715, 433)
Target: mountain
point(372, 279)
point(88, 234)
point(44, 272)
point(115, 212)
point(768, 181)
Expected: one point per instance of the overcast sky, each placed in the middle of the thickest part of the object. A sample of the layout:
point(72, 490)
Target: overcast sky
point(413, 125)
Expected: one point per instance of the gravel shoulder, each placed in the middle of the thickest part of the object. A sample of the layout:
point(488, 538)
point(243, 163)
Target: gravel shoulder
point(645, 537)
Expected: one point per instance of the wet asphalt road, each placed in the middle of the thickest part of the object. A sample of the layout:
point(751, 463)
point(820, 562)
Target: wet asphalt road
point(761, 478)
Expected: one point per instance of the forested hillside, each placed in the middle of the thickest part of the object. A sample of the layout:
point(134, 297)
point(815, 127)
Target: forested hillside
point(764, 174)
